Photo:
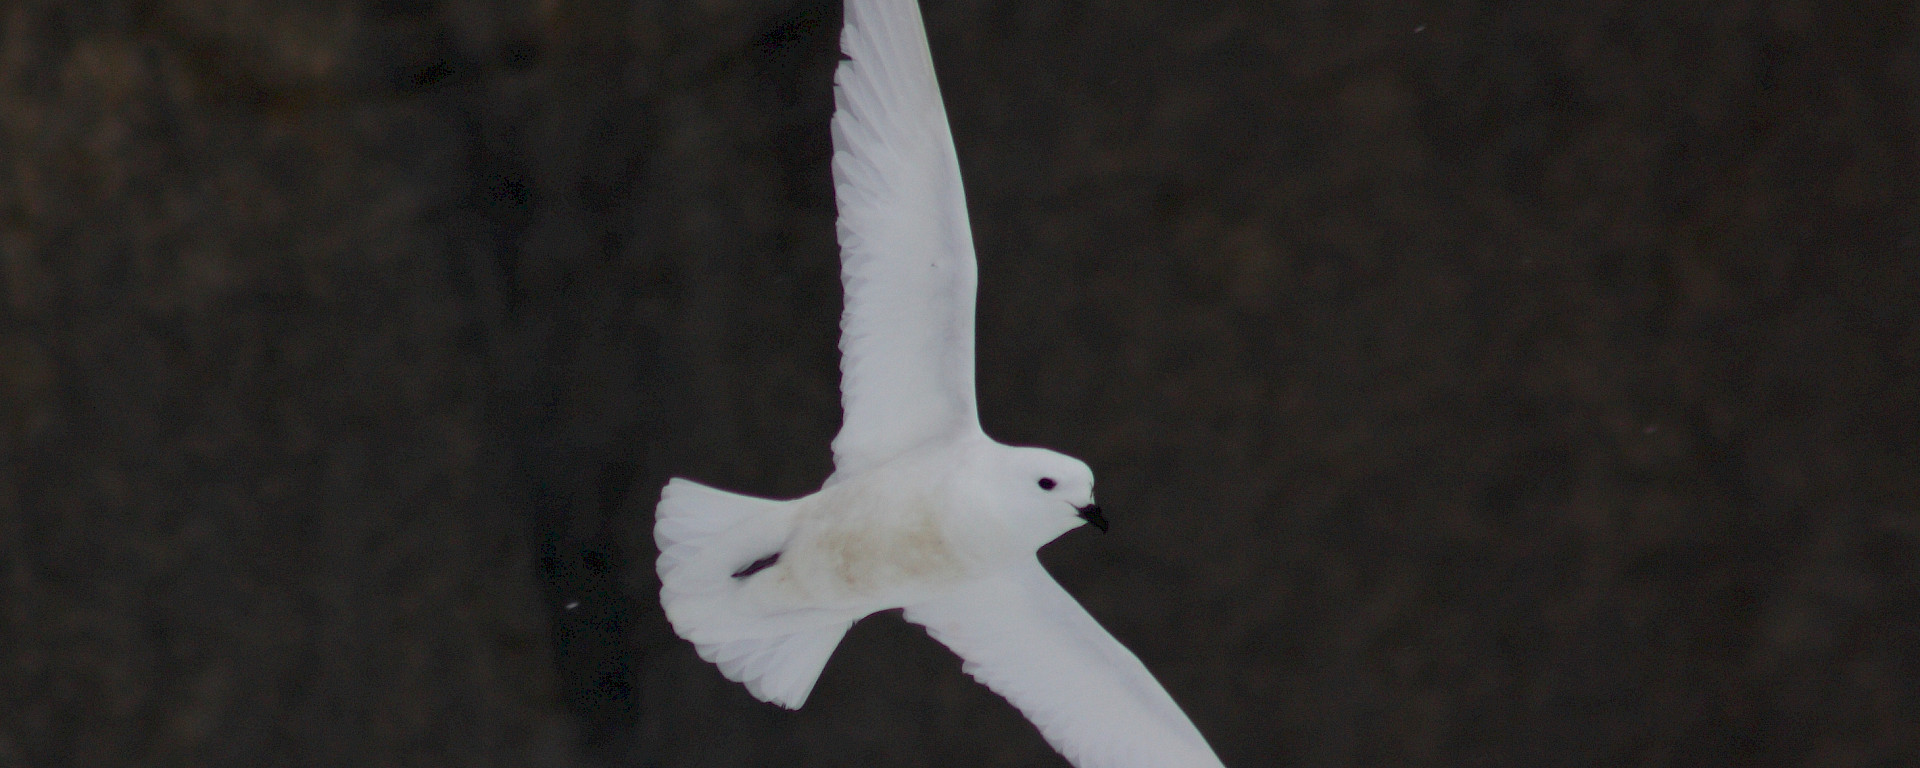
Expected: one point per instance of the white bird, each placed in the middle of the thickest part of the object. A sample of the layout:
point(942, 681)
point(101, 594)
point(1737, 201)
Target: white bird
point(923, 510)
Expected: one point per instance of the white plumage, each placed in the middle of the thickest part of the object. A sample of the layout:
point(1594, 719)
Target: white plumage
point(923, 511)
point(906, 253)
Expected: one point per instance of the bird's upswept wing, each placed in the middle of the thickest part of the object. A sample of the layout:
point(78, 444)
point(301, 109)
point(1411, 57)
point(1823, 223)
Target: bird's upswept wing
point(1023, 636)
point(906, 336)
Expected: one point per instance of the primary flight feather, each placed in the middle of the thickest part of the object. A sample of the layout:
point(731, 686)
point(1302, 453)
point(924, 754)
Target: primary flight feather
point(906, 252)
point(923, 510)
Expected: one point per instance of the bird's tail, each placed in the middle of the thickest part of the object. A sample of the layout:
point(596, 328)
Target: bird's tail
point(711, 542)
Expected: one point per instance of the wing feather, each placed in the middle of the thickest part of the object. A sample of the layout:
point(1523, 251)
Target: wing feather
point(1023, 636)
point(907, 262)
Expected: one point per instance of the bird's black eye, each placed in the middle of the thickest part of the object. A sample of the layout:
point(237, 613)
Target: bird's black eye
point(1046, 483)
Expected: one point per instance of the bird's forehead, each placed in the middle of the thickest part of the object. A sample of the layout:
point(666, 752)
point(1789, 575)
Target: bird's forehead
point(1059, 464)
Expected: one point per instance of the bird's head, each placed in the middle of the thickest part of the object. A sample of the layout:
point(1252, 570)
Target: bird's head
point(1045, 493)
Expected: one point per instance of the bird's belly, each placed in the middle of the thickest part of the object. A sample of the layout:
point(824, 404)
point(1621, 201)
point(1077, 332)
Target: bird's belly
point(880, 558)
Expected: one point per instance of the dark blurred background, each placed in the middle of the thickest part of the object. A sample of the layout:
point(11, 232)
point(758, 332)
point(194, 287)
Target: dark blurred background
point(1501, 384)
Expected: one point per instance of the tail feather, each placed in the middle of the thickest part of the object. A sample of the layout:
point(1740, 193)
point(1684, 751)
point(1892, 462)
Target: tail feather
point(689, 511)
point(707, 535)
point(782, 669)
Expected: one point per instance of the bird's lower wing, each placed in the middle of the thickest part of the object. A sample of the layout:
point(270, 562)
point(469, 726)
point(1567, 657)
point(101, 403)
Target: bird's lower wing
point(1023, 636)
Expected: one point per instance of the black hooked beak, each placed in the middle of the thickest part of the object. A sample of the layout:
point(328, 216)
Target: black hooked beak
point(1091, 514)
